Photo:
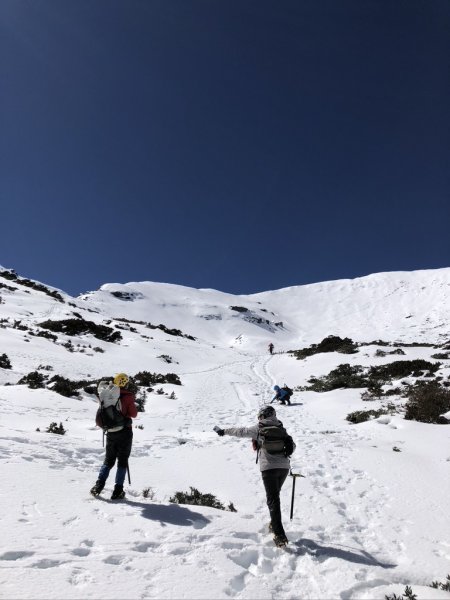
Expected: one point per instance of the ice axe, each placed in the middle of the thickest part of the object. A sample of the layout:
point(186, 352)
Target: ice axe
point(294, 476)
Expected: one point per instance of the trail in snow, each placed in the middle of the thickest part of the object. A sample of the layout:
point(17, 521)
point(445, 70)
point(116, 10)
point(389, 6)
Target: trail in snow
point(341, 542)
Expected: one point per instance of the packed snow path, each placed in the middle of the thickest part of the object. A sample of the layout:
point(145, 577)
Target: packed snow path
point(354, 532)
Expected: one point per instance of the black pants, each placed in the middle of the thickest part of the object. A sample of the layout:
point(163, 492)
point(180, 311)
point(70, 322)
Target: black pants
point(273, 480)
point(118, 446)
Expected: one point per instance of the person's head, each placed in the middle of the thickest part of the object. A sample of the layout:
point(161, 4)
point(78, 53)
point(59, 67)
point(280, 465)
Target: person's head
point(276, 388)
point(265, 412)
point(121, 379)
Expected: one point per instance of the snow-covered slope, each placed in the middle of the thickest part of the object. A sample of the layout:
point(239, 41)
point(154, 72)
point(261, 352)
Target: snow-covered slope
point(367, 520)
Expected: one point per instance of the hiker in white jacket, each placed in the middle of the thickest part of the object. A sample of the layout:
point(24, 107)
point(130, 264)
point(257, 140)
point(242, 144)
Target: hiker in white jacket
point(273, 458)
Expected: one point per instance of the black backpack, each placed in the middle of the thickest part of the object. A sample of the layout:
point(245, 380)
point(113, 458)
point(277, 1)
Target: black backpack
point(111, 417)
point(274, 439)
point(288, 390)
point(110, 414)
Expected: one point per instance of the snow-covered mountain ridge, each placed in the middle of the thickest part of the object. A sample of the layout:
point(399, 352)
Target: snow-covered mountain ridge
point(392, 306)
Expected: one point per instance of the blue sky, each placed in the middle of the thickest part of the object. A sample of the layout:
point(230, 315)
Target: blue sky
point(241, 145)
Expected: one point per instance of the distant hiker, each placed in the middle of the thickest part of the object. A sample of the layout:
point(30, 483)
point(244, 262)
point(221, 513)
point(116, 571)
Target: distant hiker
point(117, 409)
point(271, 348)
point(283, 394)
point(274, 447)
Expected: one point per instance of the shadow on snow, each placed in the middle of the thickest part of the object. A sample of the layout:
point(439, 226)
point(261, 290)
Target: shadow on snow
point(173, 514)
point(305, 546)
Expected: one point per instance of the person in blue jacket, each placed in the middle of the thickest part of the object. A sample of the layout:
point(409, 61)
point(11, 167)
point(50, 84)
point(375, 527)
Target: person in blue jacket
point(281, 395)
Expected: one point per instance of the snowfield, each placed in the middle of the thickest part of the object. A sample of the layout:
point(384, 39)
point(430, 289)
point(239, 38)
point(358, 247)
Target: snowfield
point(370, 514)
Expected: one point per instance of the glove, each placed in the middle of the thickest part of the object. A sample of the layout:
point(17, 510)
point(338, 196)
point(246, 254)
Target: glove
point(219, 431)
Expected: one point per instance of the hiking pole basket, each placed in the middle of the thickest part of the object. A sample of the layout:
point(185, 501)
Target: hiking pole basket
point(294, 477)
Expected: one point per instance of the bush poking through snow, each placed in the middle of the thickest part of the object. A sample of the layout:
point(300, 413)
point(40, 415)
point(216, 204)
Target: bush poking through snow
point(5, 363)
point(437, 585)
point(332, 343)
point(360, 416)
point(148, 493)
point(408, 594)
point(147, 379)
point(198, 499)
point(33, 380)
point(75, 327)
point(54, 428)
point(427, 401)
point(63, 386)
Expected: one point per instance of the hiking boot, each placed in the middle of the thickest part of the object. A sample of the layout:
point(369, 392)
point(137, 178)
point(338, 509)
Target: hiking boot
point(98, 487)
point(118, 493)
point(280, 541)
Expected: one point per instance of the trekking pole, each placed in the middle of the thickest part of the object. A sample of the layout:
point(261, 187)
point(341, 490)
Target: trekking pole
point(128, 471)
point(294, 476)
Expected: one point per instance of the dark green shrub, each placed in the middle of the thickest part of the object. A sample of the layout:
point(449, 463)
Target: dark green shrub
point(360, 416)
point(441, 355)
point(437, 585)
point(386, 353)
point(33, 380)
point(5, 363)
point(12, 276)
point(63, 386)
point(344, 376)
point(166, 358)
point(241, 309)
point(402, 368)
point(198, 499)
point(76, 327)
point(175, 332)
point(408, 594)
point(427, 401)
point(148, 493)
point(374, 391)
point(147, 379)
point(141, 399)
point(45, 334)
point(332, 343)
point(54, 428)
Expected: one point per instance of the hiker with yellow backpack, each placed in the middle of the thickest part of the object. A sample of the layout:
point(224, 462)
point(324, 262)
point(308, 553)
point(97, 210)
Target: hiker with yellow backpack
point(114, 415)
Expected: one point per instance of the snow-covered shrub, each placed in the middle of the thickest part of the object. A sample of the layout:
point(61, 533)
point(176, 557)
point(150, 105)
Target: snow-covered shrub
point(33, 380)
point(437, 585)
point(5, 363)
point(408, 594)
point(54, 428)
point(332, 343)
point(441, 355)
point(148, 493)
point(63, 386)
point(427, 401)
point(344, 376)
point(403, 368)
point(166, 358)
point(360, 416)
point(197, 498)
point(75, 327)
point(141, 399)
point(147, 379)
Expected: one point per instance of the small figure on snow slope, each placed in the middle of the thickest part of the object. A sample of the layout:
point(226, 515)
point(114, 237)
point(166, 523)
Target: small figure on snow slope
point(283, 395)
point(274, 447)
point(271, 348)
point(117, 409)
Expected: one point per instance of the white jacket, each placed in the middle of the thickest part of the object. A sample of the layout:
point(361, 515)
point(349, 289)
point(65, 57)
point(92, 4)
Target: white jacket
point(266, 461)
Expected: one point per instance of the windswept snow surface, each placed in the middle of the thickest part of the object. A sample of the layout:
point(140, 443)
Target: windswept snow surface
point(367, 520)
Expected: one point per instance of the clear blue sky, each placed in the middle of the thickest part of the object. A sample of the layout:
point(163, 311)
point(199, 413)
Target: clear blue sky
point(242, 145)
